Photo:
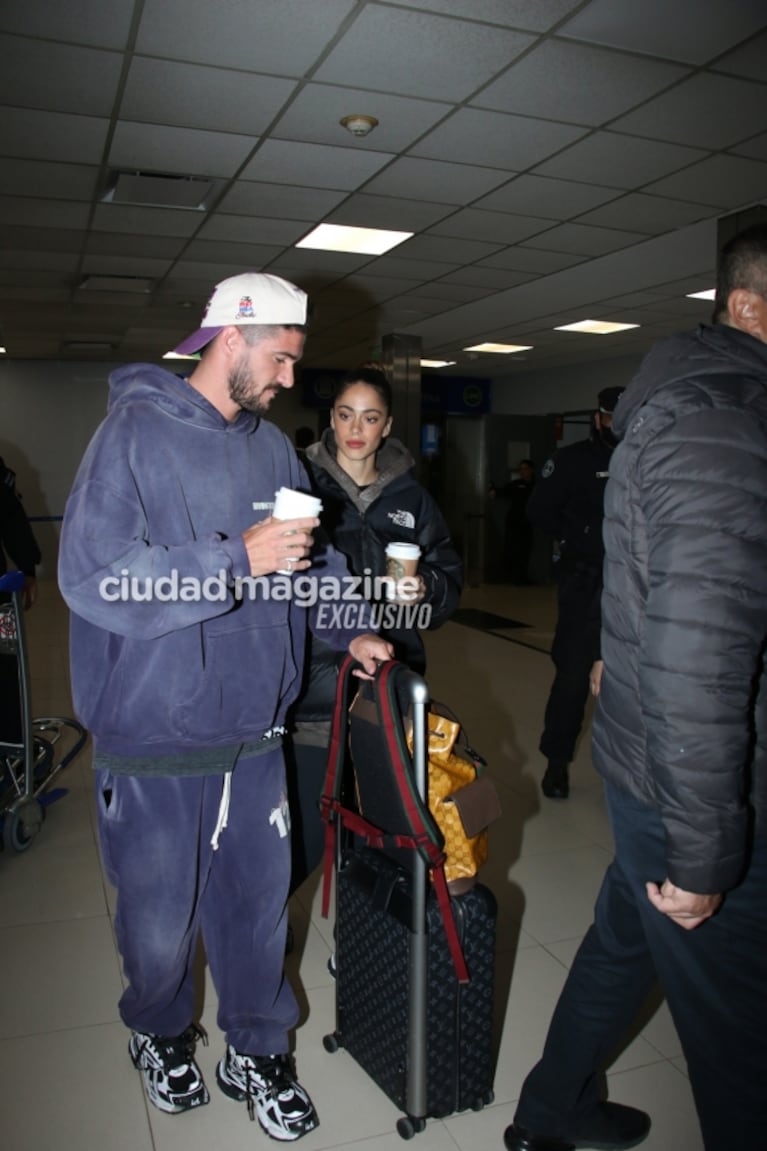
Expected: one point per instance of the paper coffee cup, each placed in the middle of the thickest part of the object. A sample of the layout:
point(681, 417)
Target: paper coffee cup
point(402, 563)
point(292, 505)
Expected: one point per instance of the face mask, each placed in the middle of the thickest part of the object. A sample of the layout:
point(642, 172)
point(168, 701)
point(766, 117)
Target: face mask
point(608, 437)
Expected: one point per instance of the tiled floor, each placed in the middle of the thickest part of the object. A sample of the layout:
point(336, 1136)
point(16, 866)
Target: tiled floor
point(66, 1078)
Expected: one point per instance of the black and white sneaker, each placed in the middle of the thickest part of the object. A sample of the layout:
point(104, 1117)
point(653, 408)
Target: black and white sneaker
point(172, 1080)
point(272, 1091)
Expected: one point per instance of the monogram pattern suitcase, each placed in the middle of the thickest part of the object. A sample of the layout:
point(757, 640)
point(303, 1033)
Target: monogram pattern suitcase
point(373, 911)
point(401, 1012)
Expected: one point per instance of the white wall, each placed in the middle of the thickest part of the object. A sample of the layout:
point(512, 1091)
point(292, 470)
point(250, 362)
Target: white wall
point(564, 389)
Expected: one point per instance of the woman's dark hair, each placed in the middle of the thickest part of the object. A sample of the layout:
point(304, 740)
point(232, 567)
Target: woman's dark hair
point(373, 377)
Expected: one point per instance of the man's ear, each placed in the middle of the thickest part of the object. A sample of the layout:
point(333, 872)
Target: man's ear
point(748, 311)
point(231, 338)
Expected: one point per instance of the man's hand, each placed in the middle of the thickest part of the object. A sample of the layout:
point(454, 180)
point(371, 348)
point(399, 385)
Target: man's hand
point(370, 650)
point(686, 908)
point(279, 545)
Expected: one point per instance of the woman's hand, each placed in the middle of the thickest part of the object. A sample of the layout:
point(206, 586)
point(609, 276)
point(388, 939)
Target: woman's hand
point(595, 676)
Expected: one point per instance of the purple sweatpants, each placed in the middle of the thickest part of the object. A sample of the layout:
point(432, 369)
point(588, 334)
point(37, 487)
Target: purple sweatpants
point(172, 887)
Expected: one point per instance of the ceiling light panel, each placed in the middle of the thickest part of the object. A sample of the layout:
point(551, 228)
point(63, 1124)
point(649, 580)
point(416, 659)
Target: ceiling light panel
point(503, 349)
point(340, 238)
point(595, 327)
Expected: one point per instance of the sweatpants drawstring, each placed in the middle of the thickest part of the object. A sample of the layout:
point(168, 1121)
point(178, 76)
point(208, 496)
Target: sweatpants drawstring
point(223, 810)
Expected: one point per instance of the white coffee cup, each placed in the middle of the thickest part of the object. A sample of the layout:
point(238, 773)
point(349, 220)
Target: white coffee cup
point(292, 505)
point(402, 564)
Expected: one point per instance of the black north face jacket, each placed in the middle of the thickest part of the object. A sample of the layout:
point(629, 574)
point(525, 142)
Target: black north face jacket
point(681, 720)
point(395, 509)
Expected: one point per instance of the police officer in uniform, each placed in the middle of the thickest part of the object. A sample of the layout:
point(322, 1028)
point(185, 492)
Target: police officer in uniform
point(567, 503)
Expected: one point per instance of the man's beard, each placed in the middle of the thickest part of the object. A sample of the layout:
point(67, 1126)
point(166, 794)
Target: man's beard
point(241, 390)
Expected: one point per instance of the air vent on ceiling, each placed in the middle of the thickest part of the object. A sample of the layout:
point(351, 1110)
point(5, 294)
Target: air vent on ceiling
point(158, 190)
point(100, 346)
point(116, 284)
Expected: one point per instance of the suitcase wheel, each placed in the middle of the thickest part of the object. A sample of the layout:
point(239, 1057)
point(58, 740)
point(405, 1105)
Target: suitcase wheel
point(407, 1127)
point(331, 1042)
point(484, 1101)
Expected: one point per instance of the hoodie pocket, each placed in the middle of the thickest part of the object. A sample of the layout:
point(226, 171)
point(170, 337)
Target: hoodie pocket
point(240, 688)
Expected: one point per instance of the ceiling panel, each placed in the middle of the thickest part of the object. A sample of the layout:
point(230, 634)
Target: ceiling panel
point(39, 74)
point(315, 114)
point(418, 54)
point(532, 15)
point(158, 148)
point(541, 196)
point(577, 83)
point(192, 96)
point(619, 161)
point(549, 156)
point(33, 135)
point(722, 181)
point(317, 165)
point(435, 180)
point(85, 21)
point(708, 111)
point(495, 140)
point(642, 213)
point(689, 30)
point(281, 37)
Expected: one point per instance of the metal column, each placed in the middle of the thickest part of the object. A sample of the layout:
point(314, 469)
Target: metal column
point(402, 362)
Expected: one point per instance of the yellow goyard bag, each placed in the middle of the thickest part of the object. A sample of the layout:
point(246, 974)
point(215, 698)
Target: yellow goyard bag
point(462, 799)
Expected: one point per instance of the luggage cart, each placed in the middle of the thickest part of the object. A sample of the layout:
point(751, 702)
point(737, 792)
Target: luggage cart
point(32, 750)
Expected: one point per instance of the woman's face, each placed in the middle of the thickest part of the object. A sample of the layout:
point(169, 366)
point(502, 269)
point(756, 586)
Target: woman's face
point(360, 422)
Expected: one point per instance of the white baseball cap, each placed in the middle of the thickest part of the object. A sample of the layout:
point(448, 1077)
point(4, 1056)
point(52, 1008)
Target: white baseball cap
point(251, 298)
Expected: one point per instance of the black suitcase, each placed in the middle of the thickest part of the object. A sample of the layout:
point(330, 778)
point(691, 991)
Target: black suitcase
point(401, 1012)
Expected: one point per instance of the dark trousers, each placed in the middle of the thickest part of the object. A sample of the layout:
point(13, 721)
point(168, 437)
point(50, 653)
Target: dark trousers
point(172, 886)
point(714, 979)
point(306, 767)
point(576, 641)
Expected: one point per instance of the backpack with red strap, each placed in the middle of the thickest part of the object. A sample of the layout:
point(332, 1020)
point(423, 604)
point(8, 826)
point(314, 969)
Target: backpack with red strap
point(385, 808)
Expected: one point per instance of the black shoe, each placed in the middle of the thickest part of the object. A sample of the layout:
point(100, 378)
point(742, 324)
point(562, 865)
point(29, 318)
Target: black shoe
point(609, 1127)
point(556, 783)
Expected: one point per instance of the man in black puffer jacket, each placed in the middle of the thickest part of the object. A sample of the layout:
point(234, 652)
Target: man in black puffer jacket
point(680, 737)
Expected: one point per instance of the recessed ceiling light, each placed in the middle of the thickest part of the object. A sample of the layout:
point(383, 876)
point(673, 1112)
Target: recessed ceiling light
point(176, 356)
point(339, 238)
point(504, 349)
point(437, 363)
point(709, 294)
point(3, 352)
point(595, 327)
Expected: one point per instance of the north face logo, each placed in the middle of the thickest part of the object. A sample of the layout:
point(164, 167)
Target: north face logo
point(402, 519)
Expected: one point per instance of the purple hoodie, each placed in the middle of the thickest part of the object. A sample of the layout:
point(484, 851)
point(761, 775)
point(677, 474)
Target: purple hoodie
point(164, 491)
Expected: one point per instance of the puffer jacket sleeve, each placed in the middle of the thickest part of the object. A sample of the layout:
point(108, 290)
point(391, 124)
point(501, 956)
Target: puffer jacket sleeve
point(440, 565)
point(701, 493)
point(16, 536)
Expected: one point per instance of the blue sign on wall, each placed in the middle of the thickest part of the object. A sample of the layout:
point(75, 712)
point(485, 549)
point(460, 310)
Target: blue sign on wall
point(454, 395)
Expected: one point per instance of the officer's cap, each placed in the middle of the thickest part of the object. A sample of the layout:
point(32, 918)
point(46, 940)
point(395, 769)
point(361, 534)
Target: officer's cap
point(608, 398)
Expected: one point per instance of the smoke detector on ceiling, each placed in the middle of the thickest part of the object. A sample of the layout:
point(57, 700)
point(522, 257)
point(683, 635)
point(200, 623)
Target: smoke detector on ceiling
point(359, 125)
